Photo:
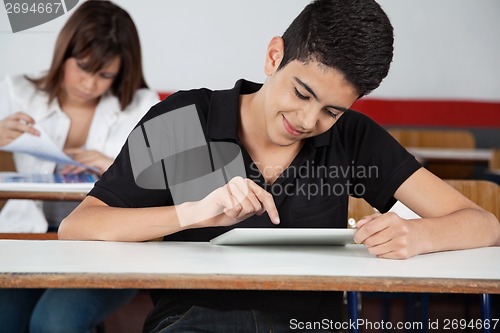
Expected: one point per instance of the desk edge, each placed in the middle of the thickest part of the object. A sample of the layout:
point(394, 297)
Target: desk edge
point(247, 282)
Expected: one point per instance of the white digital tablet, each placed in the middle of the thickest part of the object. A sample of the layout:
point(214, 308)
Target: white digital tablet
point(285, 236)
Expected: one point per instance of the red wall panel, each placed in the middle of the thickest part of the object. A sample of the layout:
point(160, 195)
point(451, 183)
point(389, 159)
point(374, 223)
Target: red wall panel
point(447, 113)
point(452, 113)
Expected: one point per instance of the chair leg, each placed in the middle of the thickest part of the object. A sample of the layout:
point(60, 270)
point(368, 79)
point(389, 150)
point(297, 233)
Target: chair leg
point(411, 306)
point(424, 311)
point(352, 309)
point(486, 312)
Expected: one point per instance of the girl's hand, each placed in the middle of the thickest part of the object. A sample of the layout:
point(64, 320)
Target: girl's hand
point(14, 125)
point(91, 158)
point(388, 236)
point(232, 203)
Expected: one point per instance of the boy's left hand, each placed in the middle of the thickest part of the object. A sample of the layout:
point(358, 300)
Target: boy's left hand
point(388, 236)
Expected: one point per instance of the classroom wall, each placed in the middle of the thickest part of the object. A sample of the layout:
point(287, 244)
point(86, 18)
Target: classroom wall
point(445, 50)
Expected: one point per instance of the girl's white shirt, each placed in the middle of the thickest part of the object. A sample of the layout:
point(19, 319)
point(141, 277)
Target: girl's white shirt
point(108, 133)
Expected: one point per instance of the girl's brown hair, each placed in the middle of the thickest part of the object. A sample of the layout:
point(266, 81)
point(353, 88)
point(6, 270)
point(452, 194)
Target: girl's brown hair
point(98, 31)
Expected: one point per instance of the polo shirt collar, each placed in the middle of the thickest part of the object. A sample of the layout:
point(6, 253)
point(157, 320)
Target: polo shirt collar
point(224, 116)
point(322, 139)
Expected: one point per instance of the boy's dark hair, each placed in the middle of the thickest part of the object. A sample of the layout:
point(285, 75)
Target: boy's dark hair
point(352, 36)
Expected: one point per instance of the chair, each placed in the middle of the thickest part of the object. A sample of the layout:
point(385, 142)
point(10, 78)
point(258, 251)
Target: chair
point(485, 194)
point(358, 208)
point(495, 160)
point(493, 172)
point(6, 164)
point(6, 161)
point(427, 138)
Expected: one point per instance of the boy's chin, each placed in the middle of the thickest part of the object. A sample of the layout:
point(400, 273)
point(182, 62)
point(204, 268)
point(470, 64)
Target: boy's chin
point(284, 141)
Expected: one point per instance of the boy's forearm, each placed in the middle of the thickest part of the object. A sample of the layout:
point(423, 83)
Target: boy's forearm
point(463, 229)
point(101, 222)
point(119, 224)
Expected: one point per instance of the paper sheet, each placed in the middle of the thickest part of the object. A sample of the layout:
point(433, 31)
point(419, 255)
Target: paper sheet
point(41, 147)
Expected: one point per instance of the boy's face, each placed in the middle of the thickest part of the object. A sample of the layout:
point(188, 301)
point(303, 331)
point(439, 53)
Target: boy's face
point(303, 100)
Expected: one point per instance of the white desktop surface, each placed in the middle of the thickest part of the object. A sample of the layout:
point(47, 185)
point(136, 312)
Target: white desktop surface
point(32, 182)
point(58, 263)
point(32, 187)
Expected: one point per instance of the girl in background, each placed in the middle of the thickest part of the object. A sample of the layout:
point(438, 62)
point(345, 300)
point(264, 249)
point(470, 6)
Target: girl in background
point(88, 102)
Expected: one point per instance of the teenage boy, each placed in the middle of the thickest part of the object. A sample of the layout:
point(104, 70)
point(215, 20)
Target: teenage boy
point(304, 152)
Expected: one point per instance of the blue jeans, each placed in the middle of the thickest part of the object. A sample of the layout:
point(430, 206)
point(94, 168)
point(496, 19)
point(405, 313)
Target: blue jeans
point(205, 320)
point(58, 310)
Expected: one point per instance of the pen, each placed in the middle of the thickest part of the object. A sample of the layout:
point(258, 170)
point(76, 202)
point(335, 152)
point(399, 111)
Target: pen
point(351, 223)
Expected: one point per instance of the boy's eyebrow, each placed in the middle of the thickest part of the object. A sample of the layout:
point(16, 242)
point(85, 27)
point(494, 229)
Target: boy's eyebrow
point(306, 87)
point(309, 89)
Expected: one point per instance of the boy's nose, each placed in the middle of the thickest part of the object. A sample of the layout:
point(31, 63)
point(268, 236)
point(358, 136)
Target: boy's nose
point(307, 119)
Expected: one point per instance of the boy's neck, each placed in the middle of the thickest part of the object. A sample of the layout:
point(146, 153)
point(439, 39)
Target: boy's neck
point(252, 128)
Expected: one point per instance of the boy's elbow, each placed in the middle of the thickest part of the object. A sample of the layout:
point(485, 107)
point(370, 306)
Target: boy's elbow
point(71, 228)
point(496, 229)
point(65, 231)
point(78, 224)
point(492, 227)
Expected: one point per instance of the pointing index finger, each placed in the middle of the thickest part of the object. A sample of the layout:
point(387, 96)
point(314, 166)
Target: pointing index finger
point(267, 201)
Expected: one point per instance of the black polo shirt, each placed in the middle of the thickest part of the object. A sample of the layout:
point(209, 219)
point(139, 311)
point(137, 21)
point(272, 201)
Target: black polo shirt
point(355, 157)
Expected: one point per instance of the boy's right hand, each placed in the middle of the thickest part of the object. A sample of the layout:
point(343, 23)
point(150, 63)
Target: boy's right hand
point(14, 125)
point(244, 198)
point(234, 202)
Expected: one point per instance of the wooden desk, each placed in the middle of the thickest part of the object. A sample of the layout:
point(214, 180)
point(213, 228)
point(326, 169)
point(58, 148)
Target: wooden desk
point(36, 195)
point(183, 265)
point(452, 155)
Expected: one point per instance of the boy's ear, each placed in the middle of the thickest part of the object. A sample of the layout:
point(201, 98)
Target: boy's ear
point(274, 55)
